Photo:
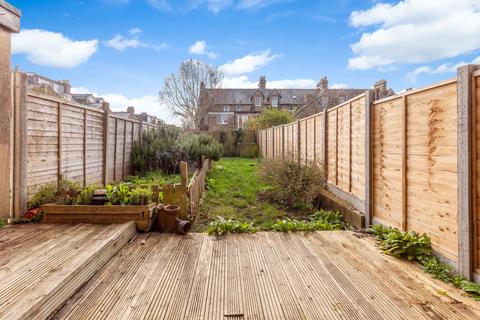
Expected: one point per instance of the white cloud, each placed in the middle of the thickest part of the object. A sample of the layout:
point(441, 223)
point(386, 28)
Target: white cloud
point(148, 103)
point(218, 5)
point(200, 48)
point(134, 31)
point(53, 49)
point(248, 63)
point(441, 69)
point(243, 82)
point(248, 4)
point(415, 31)
point(122, 43)
point(162, 5)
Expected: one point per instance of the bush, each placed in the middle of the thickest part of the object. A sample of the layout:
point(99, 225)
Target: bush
point(290, 184)
point(140, 196)
point(269, 118)
point(45, 194)
point(160, 149)
point(198, 145)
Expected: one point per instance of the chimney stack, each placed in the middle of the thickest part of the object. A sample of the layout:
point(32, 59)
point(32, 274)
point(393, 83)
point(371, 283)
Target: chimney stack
point(131, 110)
point(262, 82)
point(67, 87)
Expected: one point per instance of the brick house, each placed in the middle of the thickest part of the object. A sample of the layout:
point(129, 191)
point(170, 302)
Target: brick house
point(229, 109)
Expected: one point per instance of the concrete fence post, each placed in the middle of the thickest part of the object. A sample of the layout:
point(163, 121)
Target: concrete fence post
point(465, 169)
point(369, 99)
point(9, 23)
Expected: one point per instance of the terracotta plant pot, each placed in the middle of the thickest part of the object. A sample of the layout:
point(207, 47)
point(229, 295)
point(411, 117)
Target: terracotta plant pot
point(167, 218)
point(183, 226)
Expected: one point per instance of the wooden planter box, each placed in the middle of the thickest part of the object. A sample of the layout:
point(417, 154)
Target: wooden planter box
point(141, 214)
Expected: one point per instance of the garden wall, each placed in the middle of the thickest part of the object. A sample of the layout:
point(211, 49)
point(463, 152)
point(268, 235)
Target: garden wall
point(60, 139)
point(407, 161)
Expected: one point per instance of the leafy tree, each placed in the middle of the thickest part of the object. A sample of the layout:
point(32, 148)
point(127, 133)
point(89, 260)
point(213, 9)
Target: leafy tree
point(271, 117)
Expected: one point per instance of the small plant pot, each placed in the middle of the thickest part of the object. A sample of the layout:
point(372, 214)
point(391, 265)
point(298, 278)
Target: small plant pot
point(167, 218)
point(183, 226)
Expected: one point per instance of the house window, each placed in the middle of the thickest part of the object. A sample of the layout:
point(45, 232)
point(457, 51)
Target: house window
point(275, 101)
point(258, 101)
point(226, 108)
point(222, 119)
point(238, 108)
point(291, 108)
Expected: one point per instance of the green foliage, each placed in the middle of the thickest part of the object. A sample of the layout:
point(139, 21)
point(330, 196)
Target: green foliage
point(223, 226)
point(413, 246)
point(155, 177)
point(140, 196)
point(319, 221)
point(45, 194)
point(198, 145)
point(86, 195)
point(271, 117)
point(439, 270)
point(160, 149)
point(2, 223)
point(291, 185)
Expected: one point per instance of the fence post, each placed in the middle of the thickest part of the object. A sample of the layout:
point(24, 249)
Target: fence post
point(20, 154)
point(369, 98)
point(465, 162)
point(283, 141)
point(298, 142)
point(59, 143)
point(273, 142)
point(106, 142)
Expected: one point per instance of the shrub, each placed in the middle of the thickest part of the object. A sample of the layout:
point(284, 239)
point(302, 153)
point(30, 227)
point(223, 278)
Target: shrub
point(271, 117)
point(45, 194)
point(67, 192)
point(198, 145)
point(222, 226)
point(140, 196)
point(290, 184)
point(160, 149)
point(409, 245)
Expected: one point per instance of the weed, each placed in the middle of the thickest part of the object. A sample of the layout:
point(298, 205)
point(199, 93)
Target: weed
point(439, 270)
point(2, 223)
point(320, 220)
point(45, 194)
point(223, 226)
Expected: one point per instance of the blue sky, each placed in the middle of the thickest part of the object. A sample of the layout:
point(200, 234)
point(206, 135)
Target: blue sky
point(123, 49)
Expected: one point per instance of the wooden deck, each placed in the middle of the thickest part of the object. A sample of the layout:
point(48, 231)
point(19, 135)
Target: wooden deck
point(322, 275)
point(43, 265)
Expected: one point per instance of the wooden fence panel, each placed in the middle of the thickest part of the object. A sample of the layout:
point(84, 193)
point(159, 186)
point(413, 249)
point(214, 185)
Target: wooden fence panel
point(319, 138)
point(357, 158)
point(431, 174)
point(302, 140)
point(387, 162)
point(42, 143)
point(112, 146)
point(120, 135)
point(332, 146)
point(310, 136)
point(94, 147)
point(343, 147)
point(72, 143)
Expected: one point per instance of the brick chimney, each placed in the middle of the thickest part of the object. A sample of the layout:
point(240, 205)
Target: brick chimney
point(131, 110)
point(67, 87)
point(262, 82)
point(322, 85)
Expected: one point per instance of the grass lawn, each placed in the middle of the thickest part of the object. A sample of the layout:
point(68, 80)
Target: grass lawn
point(232, 192)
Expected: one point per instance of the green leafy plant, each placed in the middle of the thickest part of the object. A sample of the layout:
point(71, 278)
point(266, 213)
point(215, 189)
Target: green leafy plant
point(291, 184)
point(439, 270)
point(223, 226)
point(471, 288)
point(270, 117)
point(319, 221)
point(2, 223)
point(67, 192)
point(118, 194)
point(409, 245)
point(86, 195)
point(45, 194)
point(197, 146)
point(140, 196)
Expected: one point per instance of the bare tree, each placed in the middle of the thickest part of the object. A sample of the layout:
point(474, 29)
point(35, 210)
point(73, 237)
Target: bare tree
point(181, 92)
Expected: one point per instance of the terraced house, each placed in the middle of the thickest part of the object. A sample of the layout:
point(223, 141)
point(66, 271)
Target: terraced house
point(229, 109)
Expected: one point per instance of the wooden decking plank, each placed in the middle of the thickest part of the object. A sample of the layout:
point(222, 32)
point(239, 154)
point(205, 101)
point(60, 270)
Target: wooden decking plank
point(406, 278)
point(288, 300)
point(215, 295)
point(163, 294)
point(346, 304)
point(14, 240)
point(315, 301)
point(233, 292)
point(371, 277)
point(264, 280)
point(198, 292)
point(252, 302)
point(359, 283)
point(178, 303)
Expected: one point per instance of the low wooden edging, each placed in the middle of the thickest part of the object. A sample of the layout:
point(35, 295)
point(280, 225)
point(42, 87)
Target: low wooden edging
point(196, 187)
point(141, 214)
